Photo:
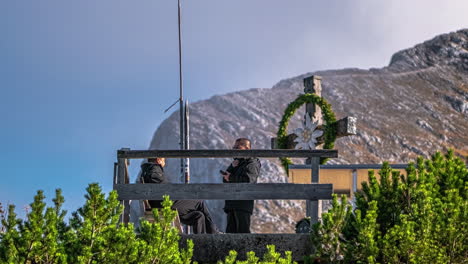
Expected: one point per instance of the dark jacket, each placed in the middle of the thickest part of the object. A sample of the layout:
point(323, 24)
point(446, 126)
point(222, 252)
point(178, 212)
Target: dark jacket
point(153, 173)
point(248, 170)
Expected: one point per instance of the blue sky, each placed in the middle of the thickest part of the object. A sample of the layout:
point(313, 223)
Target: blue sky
point(81, 79)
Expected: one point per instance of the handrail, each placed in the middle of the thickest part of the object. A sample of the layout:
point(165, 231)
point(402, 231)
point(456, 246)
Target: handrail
point(349, 166)
point(219, 191)
point(226, 153)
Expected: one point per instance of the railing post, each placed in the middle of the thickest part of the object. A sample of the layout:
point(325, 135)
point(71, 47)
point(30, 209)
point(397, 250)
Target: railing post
point(355, 184)
point(313, 207)
point(122, 178)
point(114, 179)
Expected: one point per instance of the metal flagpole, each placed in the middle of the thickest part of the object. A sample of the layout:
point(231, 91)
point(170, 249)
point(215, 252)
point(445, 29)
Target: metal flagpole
point(187, 142)
point(183, 121)
point(181, 98)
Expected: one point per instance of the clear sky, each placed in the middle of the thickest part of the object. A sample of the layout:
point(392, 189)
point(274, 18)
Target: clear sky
point(81, 79)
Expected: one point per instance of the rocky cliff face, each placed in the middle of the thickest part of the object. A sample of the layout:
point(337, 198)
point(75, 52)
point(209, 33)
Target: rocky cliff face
point(416, 105)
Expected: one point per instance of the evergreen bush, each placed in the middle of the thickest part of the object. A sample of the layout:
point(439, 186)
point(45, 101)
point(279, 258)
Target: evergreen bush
point(270, 257)
point(93, 235)
point(418, 218)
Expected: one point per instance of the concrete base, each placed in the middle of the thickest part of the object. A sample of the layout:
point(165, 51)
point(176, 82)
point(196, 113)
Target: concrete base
point(211, 248)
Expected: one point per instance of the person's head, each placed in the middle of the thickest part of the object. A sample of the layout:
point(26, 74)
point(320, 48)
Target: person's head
point(242, 143)
point(159, 161)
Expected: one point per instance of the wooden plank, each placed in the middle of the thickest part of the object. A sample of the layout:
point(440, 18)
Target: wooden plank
point(344, 127)
point(127, 174)
point(313, 207)
point(121, 171)
point(114, 179)
point(230, 191)
point(313, 84)
point(126, 203)
point(126, 212)
point(315, 169)
point(226, 153)
point(121, 179)
point(348, 166)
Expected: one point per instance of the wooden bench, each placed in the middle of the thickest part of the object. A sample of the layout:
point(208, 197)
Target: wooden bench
point(149, 216)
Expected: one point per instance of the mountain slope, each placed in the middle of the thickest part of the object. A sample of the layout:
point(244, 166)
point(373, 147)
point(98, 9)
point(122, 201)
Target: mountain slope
point(416, 105)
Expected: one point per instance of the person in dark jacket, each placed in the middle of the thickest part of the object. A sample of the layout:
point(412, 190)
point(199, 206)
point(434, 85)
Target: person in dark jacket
point(191, 212)
point(240, 170)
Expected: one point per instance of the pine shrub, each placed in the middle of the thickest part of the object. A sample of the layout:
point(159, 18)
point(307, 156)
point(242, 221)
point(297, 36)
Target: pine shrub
point(270, 257)
point(93, 235)
point(418, 218)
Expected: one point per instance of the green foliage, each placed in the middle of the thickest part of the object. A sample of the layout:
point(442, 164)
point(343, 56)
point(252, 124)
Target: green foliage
point(327, 234)
point(94, 234)
point(162, 239)
point(36, 240)
point(9, 237)
point(97, 236)
point(328, 116)
point(270, 257)
point(366, 232)
point(418, 218)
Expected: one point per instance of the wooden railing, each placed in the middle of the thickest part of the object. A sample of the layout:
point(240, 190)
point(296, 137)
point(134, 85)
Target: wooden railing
point(219, 191)
point(232, 191)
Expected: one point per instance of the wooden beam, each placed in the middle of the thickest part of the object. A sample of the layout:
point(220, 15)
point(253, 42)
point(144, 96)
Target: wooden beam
point(226, 153)
point(313, 207)
point(313, 84)
point(230, 191)
point(121, 180)
point(315, 170)
point(121, 170)
point(116, 166)
point(126, 203)
point(344, 127)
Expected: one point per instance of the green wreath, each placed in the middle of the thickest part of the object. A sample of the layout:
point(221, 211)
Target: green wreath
point(329, 127)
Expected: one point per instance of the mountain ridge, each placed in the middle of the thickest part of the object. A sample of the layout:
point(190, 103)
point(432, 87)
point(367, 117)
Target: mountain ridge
point(414, 106)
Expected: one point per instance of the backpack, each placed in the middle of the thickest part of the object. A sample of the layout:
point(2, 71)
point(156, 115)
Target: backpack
point(304, 226)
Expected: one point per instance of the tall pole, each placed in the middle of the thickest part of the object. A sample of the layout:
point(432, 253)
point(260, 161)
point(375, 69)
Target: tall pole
point(181, 98)
point(187, 142)
point(313, 84)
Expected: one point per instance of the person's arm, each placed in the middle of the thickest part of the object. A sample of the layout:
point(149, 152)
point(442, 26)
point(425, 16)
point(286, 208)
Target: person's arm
point(230, 169)
point(252, 171)
point(226, 176)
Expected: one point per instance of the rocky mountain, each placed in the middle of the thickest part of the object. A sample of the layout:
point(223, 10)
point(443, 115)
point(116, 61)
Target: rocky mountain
point(416, 105)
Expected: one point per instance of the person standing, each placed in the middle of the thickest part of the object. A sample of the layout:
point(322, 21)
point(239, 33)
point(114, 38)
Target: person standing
point(241, 170)
point(191, 212)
